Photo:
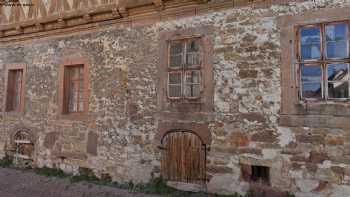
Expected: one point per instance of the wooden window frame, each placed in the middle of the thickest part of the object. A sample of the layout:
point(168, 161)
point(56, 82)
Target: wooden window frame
point(295, 112)
point(67, 87)
point(181, 84)
point(69, 62)
point(323, 61)
point(206, 100)
point(185, 83)
point(12, 67)
point(185, 69)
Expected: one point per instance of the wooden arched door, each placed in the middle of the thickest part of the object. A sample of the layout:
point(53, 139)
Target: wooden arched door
point(24, 145)
point(183, 158)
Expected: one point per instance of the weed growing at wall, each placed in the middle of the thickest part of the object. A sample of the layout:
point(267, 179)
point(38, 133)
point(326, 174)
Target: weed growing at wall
point(49, 172)
point(155, 186)
point(6, 162)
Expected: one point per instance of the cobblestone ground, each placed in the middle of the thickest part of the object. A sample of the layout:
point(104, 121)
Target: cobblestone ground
point(15, 183)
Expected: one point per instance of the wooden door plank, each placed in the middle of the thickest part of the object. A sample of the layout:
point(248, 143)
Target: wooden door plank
point(184, 158)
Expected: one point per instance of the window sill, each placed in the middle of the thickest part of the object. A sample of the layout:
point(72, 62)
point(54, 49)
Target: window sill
point(186, 186)
point(179, 99)
point(75, 116)
point(325, 102)
point(316, 121)
point(70, 155)
point(14, 113)
point(318, 107)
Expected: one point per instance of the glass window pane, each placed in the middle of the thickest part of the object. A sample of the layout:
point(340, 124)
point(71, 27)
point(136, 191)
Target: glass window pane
point(310, 73)
point(338, 89)
point(336, 32)
point(175, 78)
point(192, 58)
point(75, 73)
point(311, 90)
point(174, 91)
point(81, 105)
point(81, 72)
point(193, 46)
point(17, 88)
point(75, 88)
point(175, 47)
point(192, 55)
point(175, 54)
point(337, 72)
point(175, 61)
point(81, 98)
point(337, 49)
point(309, 52)
point(192, 90)
point(193, 77)
point(73, 96)
point(336, 40)
point(310, 43)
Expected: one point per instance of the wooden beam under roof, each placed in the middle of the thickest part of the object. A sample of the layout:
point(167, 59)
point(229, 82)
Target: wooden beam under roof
point(60, 14)
point(159, 4)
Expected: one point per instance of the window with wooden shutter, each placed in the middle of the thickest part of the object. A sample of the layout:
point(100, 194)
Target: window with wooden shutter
point(15, 89)
point(183, 158)
point(73, 98)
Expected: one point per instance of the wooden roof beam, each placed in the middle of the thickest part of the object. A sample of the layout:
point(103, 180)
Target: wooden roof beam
point(159, 4)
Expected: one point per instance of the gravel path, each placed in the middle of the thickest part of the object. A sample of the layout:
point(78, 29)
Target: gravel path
point(16, 183)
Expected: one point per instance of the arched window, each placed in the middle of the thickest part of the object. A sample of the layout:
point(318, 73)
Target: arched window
point(24, 146)
point(183, 157)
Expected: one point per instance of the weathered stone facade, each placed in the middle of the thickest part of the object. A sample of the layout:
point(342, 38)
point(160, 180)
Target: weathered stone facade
point(117, 136)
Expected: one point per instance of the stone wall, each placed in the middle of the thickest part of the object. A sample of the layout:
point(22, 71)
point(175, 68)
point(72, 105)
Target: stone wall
point(123, 112)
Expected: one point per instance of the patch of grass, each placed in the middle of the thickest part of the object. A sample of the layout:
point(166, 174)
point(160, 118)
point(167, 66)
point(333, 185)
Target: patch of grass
point(159, 186)
point(85, 174)
point(6, 162)
point(289, 194)
point(155, 186)
point(50, 172)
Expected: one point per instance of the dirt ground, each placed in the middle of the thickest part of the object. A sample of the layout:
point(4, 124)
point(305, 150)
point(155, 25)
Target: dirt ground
point(15, 183)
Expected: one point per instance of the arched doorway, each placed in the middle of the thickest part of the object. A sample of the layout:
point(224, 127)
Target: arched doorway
point(23, 148)
point(183, 157)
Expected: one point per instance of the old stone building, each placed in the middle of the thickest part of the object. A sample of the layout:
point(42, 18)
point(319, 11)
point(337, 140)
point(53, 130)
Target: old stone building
point(223, 93)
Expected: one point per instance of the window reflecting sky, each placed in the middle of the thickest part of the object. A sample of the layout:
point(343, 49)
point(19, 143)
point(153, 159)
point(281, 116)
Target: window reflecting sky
point(336, 32)
point(336, 40)
point(311, 73)
point(310, 43)
point(337, 72)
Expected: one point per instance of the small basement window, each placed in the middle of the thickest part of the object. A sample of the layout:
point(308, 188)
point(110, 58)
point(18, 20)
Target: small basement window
point(260, 174)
